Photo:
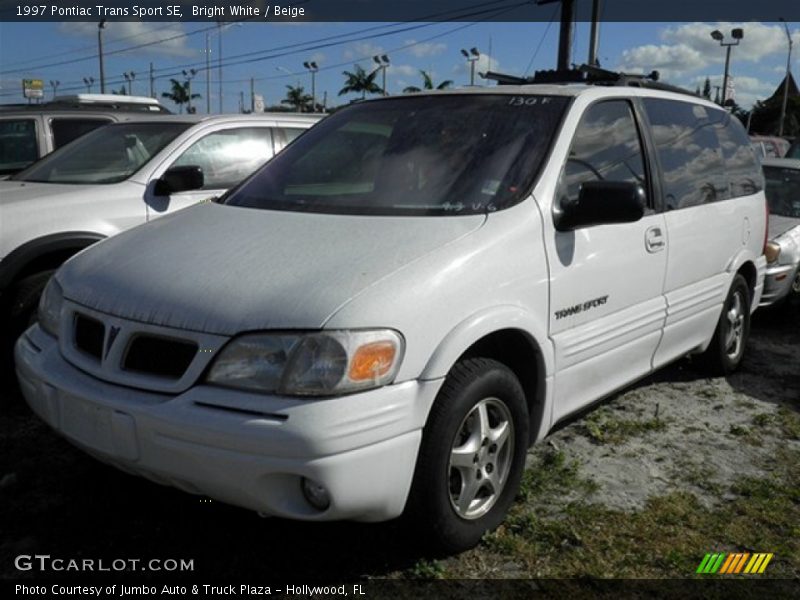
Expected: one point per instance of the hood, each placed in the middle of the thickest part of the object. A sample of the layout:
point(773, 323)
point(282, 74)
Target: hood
point(224, 270)
point(13, 192)
point(779, 225)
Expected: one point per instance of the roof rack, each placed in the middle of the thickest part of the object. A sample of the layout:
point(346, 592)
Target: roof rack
point(590, 75)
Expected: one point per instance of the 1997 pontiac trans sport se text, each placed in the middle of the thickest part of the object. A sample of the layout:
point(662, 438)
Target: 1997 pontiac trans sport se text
point(151, 590)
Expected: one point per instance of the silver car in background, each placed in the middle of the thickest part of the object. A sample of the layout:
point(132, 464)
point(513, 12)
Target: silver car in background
point(783, 248)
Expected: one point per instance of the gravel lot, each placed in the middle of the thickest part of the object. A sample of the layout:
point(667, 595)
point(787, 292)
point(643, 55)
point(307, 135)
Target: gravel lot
point(675, 466)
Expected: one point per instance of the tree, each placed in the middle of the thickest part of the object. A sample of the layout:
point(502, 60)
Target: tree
point(707, 89)
point(360, 82)
point(179, 93)
point(297, 98)
point(767, 116)
point(427, 84)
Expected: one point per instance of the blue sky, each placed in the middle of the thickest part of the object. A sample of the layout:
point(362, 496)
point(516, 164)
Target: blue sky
point(683, 52)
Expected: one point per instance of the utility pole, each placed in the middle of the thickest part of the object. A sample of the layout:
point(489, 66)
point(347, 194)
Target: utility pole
point(152, 82)
point(786, 81)
point(129, 77)
point(208, 77)
point(594, 39)
point(219, 64)
point(382, 60)
point(565, 33)
point(54, 85)
point(252, 95)
point(241, 101)
point(100, 27)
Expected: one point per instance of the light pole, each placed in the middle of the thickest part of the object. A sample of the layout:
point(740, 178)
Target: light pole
point(786, 81)
point(129, 77)
point(88, 81)
point(54, 85)
point(100, 26)
point(313, 68)
point(737, 35)
point(382, 60)
point(472, 57)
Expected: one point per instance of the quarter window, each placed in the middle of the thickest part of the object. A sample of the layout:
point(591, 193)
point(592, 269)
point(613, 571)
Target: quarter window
point(742, 168)
point(606, 148)
point(228, 156)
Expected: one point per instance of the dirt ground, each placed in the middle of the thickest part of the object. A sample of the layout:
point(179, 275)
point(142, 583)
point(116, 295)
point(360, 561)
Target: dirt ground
point(642, 485)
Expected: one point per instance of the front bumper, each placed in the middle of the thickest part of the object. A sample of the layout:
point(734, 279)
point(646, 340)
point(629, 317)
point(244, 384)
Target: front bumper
point(778, 283)
point(240, 448)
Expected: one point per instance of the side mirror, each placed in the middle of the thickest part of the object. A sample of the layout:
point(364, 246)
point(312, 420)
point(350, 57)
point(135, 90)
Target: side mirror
point(603, 203)
point(179, 179)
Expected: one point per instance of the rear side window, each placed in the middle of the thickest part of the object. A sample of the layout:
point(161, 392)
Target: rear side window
point(688, 151)
point(606, 147)
point(66, 130)
point(18, 146)
point(742, 167)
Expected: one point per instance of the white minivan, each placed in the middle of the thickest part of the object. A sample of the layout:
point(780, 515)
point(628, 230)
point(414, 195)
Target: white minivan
point(383, 318)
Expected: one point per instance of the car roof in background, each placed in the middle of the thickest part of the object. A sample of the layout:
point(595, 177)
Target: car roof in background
point(786, 163)
point(231, 118)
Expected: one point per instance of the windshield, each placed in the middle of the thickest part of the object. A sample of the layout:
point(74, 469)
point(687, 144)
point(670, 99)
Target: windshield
point(783, 191)
point(106, 155)
point(428, 155)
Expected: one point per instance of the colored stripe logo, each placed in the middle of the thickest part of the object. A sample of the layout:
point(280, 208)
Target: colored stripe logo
point(734, 563)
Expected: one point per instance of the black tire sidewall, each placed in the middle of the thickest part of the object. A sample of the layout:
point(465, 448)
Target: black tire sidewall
point(470, 382)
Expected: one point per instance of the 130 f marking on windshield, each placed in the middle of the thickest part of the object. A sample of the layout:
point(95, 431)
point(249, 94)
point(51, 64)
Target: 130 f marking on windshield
point(527, 100)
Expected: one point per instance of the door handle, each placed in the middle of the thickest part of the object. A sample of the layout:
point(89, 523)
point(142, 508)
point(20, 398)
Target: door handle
point(654, 240)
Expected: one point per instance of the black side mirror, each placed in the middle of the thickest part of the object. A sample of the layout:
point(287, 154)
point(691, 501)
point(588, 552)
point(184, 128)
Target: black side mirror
point(179, 179)
point(602, 203)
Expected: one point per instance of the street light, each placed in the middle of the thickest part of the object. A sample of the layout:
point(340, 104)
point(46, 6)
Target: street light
point(313, 68)
point(188, 75)
point(382, 60)
point(129, 77)
point(472, 57)
point(88, 81)
point(737, 35)
point(54, 85)
point(786, 81)
point(100, 26)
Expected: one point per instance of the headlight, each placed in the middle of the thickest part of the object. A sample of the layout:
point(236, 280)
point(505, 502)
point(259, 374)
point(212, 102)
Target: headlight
point(50, 307)
point(312, 364)
point(772, 251)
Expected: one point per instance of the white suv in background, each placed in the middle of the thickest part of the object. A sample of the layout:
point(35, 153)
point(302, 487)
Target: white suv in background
point(118, 176)
point(384, 317)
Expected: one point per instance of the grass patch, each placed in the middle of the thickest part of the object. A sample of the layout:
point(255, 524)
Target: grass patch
point(602, 428)
point(551, 472)
point(668, 538)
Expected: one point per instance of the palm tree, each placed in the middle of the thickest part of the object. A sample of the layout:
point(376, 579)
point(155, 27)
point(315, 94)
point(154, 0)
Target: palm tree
point(179, 93)
point(297, 98)
point(360, 82)
point(427, 84)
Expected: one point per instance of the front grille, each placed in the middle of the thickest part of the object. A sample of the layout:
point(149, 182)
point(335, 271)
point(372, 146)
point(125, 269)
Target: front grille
point(160, 356)
point(89, 335)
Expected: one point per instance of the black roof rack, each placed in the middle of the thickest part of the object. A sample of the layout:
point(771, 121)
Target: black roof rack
point(590, 75)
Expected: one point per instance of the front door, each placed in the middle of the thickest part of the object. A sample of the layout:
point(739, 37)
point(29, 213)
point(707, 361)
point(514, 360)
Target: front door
point(607, 307)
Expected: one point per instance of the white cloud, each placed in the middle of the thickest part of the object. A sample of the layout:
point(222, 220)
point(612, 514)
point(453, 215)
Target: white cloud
point(423, 49)
point(124, 34)
point(669, 60)
point(362, 50)
point(402, 70)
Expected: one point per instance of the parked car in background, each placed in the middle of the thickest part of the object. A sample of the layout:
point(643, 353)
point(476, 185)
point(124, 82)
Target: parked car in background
point(384, 317)
point(30, 131)
point(116, 177)
point(783, 248)
point(769, 146)
point(794, 150)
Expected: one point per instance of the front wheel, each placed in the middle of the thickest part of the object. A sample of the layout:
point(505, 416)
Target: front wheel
point(733, 328)
point(471, 457)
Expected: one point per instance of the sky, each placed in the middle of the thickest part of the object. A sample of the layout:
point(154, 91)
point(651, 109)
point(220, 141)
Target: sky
point(684, 53)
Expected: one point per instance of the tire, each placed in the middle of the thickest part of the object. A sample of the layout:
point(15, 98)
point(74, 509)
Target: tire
point(733, 329)
point(25, 300)
point(451, 506)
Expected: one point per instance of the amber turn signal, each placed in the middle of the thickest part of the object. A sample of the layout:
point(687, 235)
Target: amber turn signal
point(372, 360)
point(772, 251)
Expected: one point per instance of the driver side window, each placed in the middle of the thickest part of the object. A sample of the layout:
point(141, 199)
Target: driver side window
point(606, 147)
